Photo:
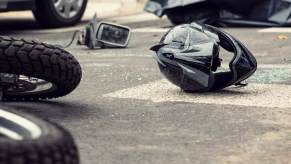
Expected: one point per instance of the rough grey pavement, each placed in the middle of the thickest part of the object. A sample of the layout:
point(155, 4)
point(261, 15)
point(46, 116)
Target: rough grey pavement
point(124, 112)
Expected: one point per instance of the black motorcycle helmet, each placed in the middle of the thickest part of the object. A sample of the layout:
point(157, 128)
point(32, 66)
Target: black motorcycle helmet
point(188, 55)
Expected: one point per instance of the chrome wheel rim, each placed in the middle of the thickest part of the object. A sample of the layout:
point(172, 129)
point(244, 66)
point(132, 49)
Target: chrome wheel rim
point(29, 85)
point(16, 127)
point(68, 8)
point(24, 85)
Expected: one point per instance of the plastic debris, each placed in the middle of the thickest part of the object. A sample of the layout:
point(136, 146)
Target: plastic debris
point(104, 35)
point(267, 13)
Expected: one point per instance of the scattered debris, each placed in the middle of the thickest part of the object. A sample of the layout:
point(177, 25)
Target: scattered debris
point(104, 35)
point(282, 37)
point(270, 13)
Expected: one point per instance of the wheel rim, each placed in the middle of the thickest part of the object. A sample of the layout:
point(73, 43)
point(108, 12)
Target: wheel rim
point(68, 8)
point(29, 86)
point(16, 127)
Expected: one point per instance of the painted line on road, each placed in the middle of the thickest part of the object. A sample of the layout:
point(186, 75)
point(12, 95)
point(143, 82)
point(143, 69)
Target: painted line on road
point(275, 30)
point(256, 95)
point(275, 66)
point(98, 65)
point(81, 26)
point(164, 30)
point(137, 18)
point(268, 66)
point(151, 30)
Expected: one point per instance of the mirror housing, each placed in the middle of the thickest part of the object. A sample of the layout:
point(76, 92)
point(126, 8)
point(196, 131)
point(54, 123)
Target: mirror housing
point(104, 35)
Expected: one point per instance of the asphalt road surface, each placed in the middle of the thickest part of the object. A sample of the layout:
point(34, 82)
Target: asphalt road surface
point(125, 112)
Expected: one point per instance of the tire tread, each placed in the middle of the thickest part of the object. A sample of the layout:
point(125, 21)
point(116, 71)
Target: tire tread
point(39, 60)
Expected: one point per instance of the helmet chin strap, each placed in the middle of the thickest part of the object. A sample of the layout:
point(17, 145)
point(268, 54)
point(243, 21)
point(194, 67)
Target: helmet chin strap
point(242, 84)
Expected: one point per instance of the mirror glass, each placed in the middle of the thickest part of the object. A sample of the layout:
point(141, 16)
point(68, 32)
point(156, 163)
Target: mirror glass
point(113, 34)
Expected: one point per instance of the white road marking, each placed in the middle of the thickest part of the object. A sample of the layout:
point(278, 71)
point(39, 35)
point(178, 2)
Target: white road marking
point(257, 95)
point(163, 30)
point(275, 30)
point(277, 66)
point(151, 30)
point(141, 17)
point(98, 65)
point(268, 66)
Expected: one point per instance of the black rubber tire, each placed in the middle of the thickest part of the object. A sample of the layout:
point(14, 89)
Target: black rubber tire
point(39, 60)
point(47, 16)
point(55, 146)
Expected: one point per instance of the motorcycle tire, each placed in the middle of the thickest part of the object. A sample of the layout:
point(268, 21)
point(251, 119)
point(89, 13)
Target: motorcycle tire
point(42, 61)
point(25, 139)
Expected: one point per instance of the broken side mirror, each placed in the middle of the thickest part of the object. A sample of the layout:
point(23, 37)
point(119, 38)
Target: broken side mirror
point(113, 35)
point(104, 35)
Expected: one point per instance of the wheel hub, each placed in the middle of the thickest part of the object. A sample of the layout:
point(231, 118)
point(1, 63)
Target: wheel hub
point(16, 84)
point(68, 8)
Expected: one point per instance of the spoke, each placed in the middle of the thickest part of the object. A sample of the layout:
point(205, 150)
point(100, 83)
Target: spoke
point(76, 5)
point(68, 9)
point(59, 4)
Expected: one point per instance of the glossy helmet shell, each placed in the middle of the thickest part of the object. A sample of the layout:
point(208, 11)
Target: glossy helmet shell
point(188, 56)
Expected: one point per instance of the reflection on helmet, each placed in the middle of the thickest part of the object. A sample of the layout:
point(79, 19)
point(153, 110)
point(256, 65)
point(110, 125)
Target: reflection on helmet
point(188, 56)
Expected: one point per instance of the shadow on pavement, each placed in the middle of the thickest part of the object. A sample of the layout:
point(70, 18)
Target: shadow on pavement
point(52, 109)
point(221, 93)
point(8, 25)
point(18, 24)
point(230, 92)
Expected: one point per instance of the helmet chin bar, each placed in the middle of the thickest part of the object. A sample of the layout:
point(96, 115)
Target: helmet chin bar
point(243, 64)
point(195, 70)
point(228, 43)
